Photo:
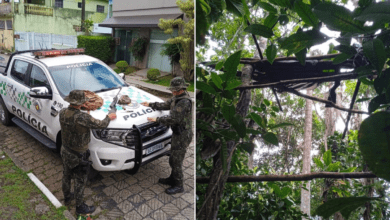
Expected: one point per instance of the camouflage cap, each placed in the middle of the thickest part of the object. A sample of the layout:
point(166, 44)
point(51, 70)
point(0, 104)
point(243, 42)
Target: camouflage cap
point(76, 97)
point(177, 84)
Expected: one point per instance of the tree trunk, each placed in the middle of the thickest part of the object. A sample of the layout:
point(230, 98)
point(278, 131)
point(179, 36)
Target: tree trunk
point(209, 209)
point(370, 193)
point(305, 194)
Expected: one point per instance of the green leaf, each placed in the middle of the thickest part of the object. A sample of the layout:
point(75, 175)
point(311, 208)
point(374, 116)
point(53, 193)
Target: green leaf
point(268, 7)
point(232, 84)
point(216, 80)
point(239, 126)
point(258, 119)
point(284, 124)
point(301, 56)
point(319, 163)
point(267, 102)
point(365, 70)
point(374, 50)
point(207, 100)
point(349, 170)
point(275, 108)
point(283, 19)
point(282, 3)
point(376, 102)
point(343, 205)
point(341, 58)
point(364, 3)
point(271, 20)
point(377, 12)
point(228, 112)
point(366, 81)
point(248, 147)
point(346, 49)
point(362, 100)
point(327, 157)
point(302, 40)
point(206, 110)
point(338, 18)
point(219, 65)
point(236, 7)
point(258, 29)
point(271, 138)
point(205, 87)
point(205, 7)
point(270, 52)
point(285, 192)
point(231, 65)
point(304, 11)
point(333, 167)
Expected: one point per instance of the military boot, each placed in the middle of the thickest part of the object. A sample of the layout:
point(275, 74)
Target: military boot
point(167, 181)
point(174, 190)
point(69, 199)
point(84, 209)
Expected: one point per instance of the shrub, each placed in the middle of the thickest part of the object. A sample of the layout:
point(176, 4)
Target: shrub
point(173, 51)
point(138, 48)
point(101, 47)
point(122, 65)
point(131, 69)
point(117, 70)
point(153, 74)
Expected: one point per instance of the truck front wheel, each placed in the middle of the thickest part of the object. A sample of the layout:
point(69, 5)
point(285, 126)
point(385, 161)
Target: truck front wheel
point(5, 115)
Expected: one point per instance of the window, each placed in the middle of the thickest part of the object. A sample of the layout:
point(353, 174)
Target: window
point(100, 9)
point(38, 78)
point(79, 5)
point(2, 24)
point(59, 3)
point(19, 70)
point(9, 24)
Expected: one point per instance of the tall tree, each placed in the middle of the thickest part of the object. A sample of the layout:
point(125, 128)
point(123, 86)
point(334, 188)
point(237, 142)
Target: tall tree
point(305, 193)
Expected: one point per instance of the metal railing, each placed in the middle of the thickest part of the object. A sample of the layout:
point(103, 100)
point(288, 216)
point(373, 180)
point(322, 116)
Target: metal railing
point(5, 8)
point(38, 10)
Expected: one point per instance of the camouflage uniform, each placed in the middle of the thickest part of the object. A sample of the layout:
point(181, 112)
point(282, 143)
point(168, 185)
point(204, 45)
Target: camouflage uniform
point(180, 121)
point(75, 132)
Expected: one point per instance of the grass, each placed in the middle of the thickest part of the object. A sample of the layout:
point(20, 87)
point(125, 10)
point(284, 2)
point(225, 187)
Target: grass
point(16, 190)
point(166, 80)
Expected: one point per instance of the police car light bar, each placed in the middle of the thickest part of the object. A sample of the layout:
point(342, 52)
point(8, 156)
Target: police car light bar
point(53, 53)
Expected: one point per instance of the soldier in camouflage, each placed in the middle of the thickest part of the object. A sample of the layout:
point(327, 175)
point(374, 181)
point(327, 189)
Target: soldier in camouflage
point(75, 132)
point(180, 121)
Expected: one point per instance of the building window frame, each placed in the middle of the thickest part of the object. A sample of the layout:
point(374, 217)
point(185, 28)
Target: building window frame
point(9, 24)
point(79, 4)
point(59, 3)
point(2, 24)
point(100, 8)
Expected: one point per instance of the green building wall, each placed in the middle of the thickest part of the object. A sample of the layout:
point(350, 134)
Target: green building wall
point(63, 20)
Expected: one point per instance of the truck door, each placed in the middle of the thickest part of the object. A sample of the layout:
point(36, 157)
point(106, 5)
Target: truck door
point(16, 86)
point(40, 108)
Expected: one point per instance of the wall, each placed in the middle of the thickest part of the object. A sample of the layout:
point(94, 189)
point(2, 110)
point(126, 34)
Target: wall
point(31, 41)
point(144, 7)
point(62, 22)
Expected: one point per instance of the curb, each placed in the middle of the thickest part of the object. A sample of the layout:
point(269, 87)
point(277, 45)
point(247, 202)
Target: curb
point(19, 164)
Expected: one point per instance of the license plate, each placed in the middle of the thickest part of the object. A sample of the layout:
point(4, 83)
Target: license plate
point(154, 148)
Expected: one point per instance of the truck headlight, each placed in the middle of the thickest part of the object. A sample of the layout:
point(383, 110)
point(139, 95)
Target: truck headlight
point(121, 137)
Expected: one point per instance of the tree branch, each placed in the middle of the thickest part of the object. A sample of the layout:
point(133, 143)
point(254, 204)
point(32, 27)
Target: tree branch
point(332, 104)
point(300, 177)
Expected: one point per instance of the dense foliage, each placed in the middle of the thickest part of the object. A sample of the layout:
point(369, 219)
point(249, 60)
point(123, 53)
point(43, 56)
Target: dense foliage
point(101, 47)
point(138, 48)
point(122, 65)
point(153, 74)
point(173, 51)
point(292, 27)
point(185, 39)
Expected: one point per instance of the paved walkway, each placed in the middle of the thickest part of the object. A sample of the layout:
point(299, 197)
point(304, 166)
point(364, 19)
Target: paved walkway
point(117, 195)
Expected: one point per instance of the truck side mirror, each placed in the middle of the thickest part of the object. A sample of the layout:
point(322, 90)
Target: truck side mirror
point(40, 93)
point(122, 75)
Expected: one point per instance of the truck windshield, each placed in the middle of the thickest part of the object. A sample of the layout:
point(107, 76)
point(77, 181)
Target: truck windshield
point(90, 76)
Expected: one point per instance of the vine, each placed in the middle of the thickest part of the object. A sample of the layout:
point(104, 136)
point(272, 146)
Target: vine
point(138, 48)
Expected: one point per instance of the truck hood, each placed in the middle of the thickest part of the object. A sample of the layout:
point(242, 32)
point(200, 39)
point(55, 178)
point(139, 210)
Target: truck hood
point(133, 113)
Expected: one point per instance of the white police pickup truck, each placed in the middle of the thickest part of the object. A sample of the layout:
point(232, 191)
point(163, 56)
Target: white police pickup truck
point(32, 88)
